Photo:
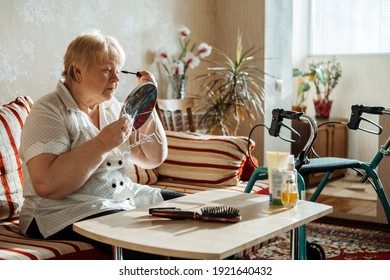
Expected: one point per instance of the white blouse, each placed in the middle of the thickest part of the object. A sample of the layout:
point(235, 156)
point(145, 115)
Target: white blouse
point(56, 125)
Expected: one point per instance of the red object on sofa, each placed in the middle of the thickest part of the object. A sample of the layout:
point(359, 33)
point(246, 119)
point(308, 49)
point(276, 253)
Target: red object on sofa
point(248, 168)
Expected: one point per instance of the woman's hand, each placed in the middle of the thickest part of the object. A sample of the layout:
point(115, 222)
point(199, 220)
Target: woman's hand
point(115, 133)
point(146, 77)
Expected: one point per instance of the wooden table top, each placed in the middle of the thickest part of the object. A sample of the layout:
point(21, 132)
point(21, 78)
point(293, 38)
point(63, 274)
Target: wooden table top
point(190, 239)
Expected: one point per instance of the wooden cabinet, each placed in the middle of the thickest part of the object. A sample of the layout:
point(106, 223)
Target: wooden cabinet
point(332, 141)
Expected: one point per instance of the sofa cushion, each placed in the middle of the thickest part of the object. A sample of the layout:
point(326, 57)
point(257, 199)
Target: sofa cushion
point(15, 246)
point(141, 175)
point(12, 117)
point(204, 159)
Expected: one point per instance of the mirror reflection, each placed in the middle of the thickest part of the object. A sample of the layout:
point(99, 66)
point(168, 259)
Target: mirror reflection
point(140, 103)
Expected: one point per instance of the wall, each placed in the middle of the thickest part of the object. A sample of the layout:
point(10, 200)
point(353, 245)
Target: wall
point(247, 18)
point(278, 52)
point(34, 35)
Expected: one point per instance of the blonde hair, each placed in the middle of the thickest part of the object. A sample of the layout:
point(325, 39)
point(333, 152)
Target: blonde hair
point(90, 49)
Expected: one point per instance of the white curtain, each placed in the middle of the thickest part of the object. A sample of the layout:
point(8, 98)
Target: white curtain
point(350, 27)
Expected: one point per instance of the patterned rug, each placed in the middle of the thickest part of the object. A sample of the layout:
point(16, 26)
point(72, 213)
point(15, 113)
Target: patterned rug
point(338, 242)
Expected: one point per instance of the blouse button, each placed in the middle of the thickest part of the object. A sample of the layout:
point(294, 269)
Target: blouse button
point(120, 162)
point(113, 185)
point(121, 183)
point(109, 163)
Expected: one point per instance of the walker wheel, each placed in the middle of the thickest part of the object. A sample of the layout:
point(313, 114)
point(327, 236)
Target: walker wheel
point(315, 251)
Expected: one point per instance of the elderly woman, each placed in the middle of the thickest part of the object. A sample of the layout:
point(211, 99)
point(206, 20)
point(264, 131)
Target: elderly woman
point(75, 146)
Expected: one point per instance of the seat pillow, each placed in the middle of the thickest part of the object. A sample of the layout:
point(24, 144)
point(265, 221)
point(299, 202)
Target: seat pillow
point(141, 175)
point(204, 159)
point(12, 117)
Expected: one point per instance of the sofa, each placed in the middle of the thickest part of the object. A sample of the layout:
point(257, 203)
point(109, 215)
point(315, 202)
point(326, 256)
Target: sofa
point(195, 162)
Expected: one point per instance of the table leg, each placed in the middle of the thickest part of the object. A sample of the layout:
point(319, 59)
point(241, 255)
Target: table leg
point(294, 243)
point(117, 253)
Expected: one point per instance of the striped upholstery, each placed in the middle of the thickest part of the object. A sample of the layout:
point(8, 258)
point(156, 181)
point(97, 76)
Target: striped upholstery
point(12, 117)
point(204, 159)
point(15, 246)
point(140, 175)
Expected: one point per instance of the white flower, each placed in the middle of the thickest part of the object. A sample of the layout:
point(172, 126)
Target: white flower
point(191, 60)
point(204, 50)
point(177, 68)
point(162, 55)
point(184, 32)
point(179, 64)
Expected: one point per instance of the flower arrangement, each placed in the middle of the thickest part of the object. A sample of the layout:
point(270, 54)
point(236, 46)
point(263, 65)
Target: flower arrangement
point(188, 57)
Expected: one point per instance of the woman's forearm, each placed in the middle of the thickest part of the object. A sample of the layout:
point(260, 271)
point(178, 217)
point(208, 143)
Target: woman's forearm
point(56, 177)
point(151, 154)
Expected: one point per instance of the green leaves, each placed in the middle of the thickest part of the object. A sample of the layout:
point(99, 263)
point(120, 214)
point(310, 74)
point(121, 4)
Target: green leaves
point(297, 72)
point(302, 87)
point(324, 75)
point(232, 90)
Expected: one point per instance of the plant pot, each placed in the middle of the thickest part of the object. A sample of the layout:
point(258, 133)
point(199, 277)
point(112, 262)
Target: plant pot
point(322, 108)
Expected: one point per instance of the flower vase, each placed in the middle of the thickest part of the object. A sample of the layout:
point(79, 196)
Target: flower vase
point(177, 86)
point(322, 108)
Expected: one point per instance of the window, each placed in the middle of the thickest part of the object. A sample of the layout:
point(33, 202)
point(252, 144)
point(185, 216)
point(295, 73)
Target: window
point(349, 27)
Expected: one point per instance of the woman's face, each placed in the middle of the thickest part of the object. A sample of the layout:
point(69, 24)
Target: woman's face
point(101, 81)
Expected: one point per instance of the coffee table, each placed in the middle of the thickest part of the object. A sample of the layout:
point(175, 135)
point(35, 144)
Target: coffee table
point(190, 239)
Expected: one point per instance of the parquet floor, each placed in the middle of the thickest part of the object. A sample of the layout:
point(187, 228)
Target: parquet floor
point(350, 205)
point(344, 202)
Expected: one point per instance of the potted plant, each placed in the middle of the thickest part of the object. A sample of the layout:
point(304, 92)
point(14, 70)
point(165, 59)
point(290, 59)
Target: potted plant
point(231, 89)
point(302, 91)
point(325, 76)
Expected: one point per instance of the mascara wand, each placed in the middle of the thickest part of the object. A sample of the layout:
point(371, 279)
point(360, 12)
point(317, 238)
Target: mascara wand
point(138, 74)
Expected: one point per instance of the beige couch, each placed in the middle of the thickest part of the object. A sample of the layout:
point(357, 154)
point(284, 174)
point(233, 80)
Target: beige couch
point(195, 163)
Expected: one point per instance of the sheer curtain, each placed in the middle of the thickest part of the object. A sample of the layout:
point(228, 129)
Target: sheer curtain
point(349, 27)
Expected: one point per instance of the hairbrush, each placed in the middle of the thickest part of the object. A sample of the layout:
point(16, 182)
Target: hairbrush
point(224, 214)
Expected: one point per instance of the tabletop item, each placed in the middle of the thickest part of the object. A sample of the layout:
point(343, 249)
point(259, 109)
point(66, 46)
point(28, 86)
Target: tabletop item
point(289, 195)
point(223, 214)
point(277, 163)
point(151, 210)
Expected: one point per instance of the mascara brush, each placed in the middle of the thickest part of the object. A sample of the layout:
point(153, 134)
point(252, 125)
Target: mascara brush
point(138, 74)
point(223, 214)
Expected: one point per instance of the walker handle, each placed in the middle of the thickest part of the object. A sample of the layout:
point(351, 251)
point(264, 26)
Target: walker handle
point(356, 117)
point(277, 122)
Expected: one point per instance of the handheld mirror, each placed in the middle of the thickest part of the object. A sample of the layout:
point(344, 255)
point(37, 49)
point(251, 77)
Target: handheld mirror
point(140, 103)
